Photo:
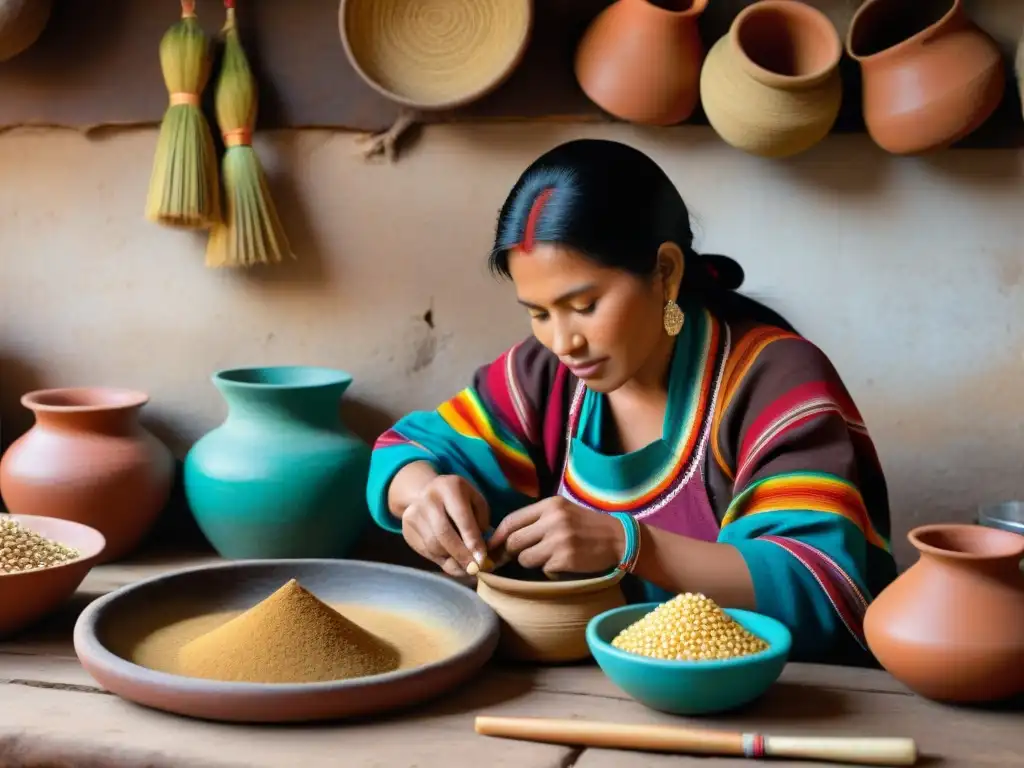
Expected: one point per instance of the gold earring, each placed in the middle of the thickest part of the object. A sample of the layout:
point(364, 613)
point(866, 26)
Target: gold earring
point(673, 318)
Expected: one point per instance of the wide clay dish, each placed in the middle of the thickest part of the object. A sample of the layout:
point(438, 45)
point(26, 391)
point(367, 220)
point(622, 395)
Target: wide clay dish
point(113, 624)
point(437, 55)
point(28, 596)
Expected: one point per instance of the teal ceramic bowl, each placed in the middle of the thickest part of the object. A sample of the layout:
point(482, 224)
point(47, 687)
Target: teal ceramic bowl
point(689, 687)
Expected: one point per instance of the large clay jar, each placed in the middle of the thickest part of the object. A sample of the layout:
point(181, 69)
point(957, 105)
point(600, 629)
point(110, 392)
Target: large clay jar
point(771, 86)
point(88, 459)
point(546, 622)
point(21, 24)
point(930, 75)
point(282, 476)
point(640, 60)
point(951, 627)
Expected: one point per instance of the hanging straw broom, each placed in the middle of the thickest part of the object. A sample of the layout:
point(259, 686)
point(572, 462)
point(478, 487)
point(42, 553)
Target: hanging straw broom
point(183, 188)
point(251, 232)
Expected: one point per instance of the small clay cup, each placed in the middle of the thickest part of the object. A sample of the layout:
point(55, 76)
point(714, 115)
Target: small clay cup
point(546, 622)
point(29, 596)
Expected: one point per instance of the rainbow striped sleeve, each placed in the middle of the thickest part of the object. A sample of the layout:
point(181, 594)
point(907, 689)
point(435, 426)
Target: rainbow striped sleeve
point(490, 433)
point(806, 500)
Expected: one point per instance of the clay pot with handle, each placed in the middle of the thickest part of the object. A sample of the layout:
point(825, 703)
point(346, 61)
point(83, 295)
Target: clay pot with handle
point(87, 459)
point(951, 627)
point(640, 60)
point(771, 86)
point(930, 75)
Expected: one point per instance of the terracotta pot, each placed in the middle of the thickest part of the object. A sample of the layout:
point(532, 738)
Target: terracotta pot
point(87, 459)
point(21, 24)
point(930, 75)
point(771, 87)
point(547, 621)
point(640, 61)
point(951, 627)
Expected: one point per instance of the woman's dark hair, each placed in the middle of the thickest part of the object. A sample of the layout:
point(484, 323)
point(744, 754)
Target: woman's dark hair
point(615, 205)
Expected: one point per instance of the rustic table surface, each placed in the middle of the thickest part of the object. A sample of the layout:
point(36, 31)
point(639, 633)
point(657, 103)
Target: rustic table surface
point(53, 714)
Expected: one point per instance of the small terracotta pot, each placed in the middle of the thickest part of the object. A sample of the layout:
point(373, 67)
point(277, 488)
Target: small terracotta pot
point(547, 621)
point(771, 87)
point(87, 459)
point(641, 62)
point(930, 75)
point(951, 627)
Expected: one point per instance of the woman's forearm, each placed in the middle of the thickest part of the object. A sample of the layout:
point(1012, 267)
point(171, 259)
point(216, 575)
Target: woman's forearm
point(681, 564)
point(407, 484)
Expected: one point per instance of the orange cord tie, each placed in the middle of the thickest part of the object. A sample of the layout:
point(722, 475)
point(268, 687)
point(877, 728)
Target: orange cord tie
point(240, 137)
point(185, 98)
point(188, 9)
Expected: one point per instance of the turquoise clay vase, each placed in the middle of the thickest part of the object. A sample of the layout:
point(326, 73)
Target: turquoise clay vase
point(282, 476)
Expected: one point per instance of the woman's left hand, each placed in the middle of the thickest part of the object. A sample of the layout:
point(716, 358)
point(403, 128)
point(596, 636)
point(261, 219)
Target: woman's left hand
point(558, 536)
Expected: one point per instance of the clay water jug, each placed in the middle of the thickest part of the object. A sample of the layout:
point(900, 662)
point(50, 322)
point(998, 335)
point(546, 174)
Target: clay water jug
point(282, 476)
point(640, 60)
point(930, 75)
point(951, 627)
point(771, 86)
point(88, 459)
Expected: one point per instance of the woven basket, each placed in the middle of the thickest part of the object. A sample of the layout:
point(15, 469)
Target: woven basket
point(21, 23)
point(435, 54)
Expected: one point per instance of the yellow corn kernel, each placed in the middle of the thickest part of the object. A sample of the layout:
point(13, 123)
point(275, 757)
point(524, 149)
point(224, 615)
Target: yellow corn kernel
point(688, 627)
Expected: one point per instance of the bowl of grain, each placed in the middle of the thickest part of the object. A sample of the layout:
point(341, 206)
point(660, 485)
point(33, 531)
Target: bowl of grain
point(42, 562)
point(687, 656)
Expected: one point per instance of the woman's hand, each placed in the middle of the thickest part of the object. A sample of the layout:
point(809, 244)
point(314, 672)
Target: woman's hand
point(444, 523)
point(558, 536)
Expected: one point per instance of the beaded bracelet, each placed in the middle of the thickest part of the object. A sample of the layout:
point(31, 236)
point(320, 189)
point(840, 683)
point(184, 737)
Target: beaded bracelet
point(632, 551)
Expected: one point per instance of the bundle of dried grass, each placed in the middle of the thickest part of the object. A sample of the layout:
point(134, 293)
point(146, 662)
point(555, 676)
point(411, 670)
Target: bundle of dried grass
point(183, 189)
point(251, 232)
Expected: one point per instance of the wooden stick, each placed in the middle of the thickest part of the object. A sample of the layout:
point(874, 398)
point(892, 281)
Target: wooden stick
point(664, 738)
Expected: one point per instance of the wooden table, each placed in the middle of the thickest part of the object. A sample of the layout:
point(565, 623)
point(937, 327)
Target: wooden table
point(53, 714)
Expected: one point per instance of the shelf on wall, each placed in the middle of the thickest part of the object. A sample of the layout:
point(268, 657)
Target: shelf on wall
point(96, 65)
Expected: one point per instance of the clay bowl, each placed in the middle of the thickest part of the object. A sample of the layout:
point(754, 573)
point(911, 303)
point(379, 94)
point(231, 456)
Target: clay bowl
point(110, 626)
point(690, 687)
point(27, 597)
point(547, 621)
point(438, 55)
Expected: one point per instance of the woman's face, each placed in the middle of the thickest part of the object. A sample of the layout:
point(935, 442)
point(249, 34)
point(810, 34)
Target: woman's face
point(604, 324)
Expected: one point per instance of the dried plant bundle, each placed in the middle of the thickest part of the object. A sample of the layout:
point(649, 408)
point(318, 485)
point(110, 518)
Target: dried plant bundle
point(251, 232)
point(184, 190)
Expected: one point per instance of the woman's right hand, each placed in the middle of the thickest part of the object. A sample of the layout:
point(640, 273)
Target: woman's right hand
point(445, 521)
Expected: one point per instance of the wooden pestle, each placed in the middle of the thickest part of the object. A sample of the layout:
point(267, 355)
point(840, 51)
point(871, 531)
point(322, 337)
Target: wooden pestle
point(664, 738)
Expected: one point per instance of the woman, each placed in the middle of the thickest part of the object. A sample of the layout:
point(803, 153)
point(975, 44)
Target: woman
point(656, 421)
